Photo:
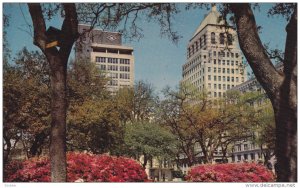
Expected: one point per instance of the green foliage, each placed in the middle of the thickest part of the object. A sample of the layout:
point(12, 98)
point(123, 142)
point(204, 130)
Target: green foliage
point(149, 139)
point(93, 121)
point(26, 100)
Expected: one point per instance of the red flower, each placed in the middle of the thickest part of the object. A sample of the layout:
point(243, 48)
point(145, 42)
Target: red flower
point(90, 168)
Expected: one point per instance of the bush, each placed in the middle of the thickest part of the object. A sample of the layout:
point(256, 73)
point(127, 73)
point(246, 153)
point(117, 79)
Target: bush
point(90, 168)
point(241, 172)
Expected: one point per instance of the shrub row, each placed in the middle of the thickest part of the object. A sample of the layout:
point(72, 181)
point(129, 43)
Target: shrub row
point(231, 172)
point(90, 168)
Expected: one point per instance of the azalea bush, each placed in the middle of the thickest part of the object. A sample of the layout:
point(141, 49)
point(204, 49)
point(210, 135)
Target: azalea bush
point(89, 168)
point(234, 172)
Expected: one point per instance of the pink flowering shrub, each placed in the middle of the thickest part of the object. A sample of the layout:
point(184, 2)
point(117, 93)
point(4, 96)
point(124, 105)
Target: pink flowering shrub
point(241, 172)
point(90, 168)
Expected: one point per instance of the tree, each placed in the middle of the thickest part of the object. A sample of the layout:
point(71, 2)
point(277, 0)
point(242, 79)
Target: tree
point(281, 88)
point(26, 100)
point(57, 59)
point(150, 141)
point(138, 103)
point(93, 120)
point(102, 14)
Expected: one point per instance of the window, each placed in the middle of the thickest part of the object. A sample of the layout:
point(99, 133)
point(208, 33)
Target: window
point(221, 38)
point(224, 70)
point(229, 39)
point(232, 71)
point(196, 46)
point(125, 61)
point(112, 60)
point(220, 94)
point(219, 78)
point(124, 76)
point(209, 85)
point(112, 67)
point(228, 62)
point(228, 86)
point(101, 59)
point(213, 38)
point(209, 77)
point(215, 69)
point(224, 78)
point(215, 53)
point(232, 79)
point(208, 69)
point(228, 71)
point(103, 67)
point(204, 56)
point(237, 79)
point(239, 148)
point(215, 94)
point(232, 55)
point(215, 61)
point(227, 54)
point(200, 42)
point(125, 68)
point(224, 86)
point(239, 157)
point(204, 39)
point(215, 78)
point(236, 63)
point(232, 63)
point(215, 86)
point(219, 62)
point(223, 62)
point(228, 78)
point(236, 55)
point(245, 156)
point(245, 147)
point(219, 86)
point(219, 70)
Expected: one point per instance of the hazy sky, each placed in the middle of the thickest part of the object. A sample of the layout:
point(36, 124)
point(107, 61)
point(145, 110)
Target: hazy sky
point(157, 59)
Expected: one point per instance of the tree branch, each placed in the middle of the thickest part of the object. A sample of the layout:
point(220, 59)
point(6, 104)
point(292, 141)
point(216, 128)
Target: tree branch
point(254, 51)
point(39, 25)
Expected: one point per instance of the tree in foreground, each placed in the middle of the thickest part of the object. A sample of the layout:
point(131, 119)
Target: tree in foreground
point(281, 88)
point(57, 44)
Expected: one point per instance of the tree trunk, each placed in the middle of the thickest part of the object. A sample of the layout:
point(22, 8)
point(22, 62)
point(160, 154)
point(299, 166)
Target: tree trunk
point(286, 138)
point(58, 119)
point(281, 89)
point(58, 59)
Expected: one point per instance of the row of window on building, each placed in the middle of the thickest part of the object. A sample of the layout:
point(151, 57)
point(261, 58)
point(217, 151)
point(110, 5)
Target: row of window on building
point(192, 65)
point(219, 86)
point(112, 60)
point(202, 42)
point(120, 75)
point(220, 55)
point(219, 78)
point(115, 68)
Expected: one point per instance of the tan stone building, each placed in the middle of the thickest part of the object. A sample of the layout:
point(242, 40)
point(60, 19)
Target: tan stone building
point(115, 60)
point(214, 61)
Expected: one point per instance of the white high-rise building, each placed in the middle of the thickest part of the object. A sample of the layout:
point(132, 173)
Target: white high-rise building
point(214, 61)
point(106, 50)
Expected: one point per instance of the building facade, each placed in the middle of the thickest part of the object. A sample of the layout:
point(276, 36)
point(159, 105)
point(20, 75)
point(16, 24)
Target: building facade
point(115, 60)
point(214, 61)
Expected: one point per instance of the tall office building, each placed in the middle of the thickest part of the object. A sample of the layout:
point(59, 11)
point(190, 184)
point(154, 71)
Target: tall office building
point(214, 61)
point(106, 50)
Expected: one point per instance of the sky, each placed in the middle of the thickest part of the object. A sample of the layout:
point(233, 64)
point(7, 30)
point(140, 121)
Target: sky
point(158, 60)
